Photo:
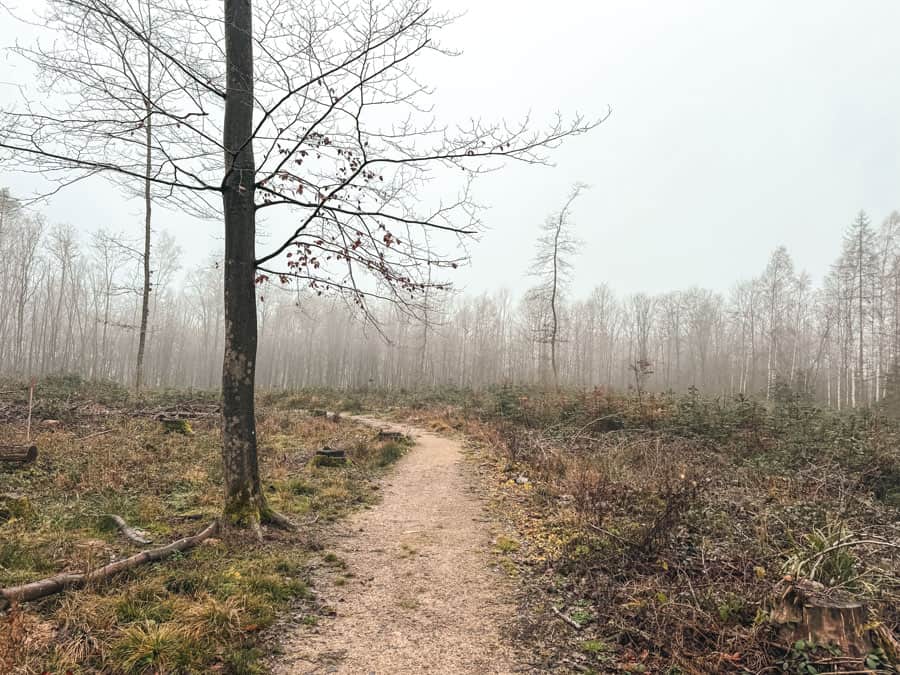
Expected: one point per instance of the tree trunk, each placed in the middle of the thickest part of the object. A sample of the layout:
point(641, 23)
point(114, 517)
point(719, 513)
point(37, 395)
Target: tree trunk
point(860, 360)
point(145, 293)
point(554, 329)
point(244, 501)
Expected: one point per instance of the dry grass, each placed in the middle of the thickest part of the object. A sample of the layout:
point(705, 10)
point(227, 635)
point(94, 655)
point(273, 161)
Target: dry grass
point(666, 545)
point(197, 612)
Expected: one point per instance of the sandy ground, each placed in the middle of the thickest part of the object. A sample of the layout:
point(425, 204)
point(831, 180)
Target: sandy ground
point(425, 596)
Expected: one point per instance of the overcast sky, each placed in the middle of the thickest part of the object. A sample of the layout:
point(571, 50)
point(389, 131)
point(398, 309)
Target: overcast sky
point(736, 127)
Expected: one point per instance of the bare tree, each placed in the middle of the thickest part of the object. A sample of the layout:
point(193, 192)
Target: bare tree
point(859, 265)
point(552, 266)
point(319, 111)
point(775, 283)
point(85, 322)
point(100, 89)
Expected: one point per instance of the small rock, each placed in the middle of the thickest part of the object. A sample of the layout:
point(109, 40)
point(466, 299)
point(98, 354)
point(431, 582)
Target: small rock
point(522, 480)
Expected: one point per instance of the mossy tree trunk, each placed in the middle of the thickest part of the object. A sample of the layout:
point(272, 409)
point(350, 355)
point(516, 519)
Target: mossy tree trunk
point(245, 503)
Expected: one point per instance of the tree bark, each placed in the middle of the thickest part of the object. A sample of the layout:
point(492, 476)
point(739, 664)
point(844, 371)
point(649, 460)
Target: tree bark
point(148, 203)
point(245, 503)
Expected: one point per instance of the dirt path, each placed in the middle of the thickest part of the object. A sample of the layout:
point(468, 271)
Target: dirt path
point(425, 597)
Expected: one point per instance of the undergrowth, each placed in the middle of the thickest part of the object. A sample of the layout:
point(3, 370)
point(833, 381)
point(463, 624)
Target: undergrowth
point(663, 527)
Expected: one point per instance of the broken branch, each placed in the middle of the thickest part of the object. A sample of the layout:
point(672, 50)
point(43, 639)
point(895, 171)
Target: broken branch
point(60, 582)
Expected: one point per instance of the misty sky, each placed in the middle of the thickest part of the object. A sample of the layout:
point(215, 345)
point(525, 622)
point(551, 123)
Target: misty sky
point(736, 127)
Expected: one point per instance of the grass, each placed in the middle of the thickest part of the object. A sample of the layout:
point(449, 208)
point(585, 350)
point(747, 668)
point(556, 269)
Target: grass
point(505, 544)
point(198, 612)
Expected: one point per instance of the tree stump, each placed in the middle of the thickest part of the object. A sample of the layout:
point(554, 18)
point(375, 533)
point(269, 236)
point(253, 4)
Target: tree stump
point(330, 457)
point(808, 611)
point(18, 454)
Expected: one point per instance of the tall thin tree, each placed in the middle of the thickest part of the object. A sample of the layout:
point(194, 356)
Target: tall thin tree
point(552, 265)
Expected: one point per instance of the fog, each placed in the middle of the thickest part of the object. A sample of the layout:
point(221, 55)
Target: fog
point(734, 129)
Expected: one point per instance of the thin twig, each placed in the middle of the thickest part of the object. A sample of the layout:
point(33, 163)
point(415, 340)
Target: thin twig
point(572, 622)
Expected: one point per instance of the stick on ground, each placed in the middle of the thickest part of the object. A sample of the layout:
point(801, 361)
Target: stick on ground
point(60, 582)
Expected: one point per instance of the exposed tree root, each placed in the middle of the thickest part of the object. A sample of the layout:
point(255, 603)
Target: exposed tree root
point(60, 582)
point(279, 520)
point(128, 532)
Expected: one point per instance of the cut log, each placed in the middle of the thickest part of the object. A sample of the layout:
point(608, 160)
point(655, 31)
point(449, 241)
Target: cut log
point(807, 611)
point(330, 457)
point(60, 582)
point(384, 435)
point(18, 454)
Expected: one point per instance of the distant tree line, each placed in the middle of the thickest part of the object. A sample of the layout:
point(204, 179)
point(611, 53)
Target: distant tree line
point(70, 304)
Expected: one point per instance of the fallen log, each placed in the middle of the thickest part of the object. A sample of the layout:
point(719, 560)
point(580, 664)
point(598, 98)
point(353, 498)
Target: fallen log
point(384, 435)
point(60, 582)
point(128, 532)
point(18, 454)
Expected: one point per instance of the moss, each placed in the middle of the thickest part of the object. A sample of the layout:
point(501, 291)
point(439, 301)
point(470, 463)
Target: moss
point(14, 505)
point(505, 544)
point(594, 646)
point(178, 427)
point(301, 487)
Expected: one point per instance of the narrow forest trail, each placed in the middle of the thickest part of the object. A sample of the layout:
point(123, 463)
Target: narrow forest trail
point(424, 596)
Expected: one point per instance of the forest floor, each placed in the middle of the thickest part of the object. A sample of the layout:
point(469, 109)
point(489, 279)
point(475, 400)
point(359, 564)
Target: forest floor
point(523, 531)
point(103, 452)
point(426, 594)
point(661, 534)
